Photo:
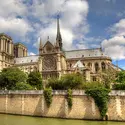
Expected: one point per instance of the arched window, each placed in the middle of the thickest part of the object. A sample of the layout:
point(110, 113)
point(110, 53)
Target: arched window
point(89, 65)
point(94, 78)
point(23, 52)
point(8, 43)
point(70, 65)
point(83, 64)
point(35, 68)
point(103, 66)
point(96, 67)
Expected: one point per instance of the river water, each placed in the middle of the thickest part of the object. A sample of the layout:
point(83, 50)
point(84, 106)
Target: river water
point(26, 120)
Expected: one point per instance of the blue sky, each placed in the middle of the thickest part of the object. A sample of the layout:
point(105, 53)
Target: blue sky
point(84, 24)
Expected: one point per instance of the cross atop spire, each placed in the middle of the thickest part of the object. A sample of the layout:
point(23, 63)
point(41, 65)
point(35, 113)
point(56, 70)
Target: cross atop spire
point(48, 38)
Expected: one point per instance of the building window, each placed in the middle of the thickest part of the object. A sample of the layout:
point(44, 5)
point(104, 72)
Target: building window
point(103, 66)
point(70, 65)
point(83, 64)
point(8, 42)
point(89, 65)
point(96, 67)
point(94, 78)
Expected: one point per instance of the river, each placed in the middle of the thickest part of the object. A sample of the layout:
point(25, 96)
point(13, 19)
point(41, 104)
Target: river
point(26, 120)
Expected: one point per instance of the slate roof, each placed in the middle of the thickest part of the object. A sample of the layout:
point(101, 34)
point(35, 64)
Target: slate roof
point(84, 53)
point(28, 59)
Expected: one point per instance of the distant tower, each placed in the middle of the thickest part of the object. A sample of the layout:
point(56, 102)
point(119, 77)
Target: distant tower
point(58, 37)
point(20, 50)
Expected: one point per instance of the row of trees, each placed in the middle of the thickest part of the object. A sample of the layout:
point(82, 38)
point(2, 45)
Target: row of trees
point(15, 79)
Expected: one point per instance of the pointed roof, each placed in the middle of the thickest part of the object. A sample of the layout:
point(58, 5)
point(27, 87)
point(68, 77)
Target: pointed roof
point(48, 43)
point(79, 65)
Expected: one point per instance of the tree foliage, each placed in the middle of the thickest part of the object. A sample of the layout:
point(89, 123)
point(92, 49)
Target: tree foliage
point(48, 96)
point(92, 85)
point(69, 98)
point(10, 76)
point(108, 77)
point(35, 80)
point(67, 81)
point(120, 86)
point(23, 86)
point(121, 77)
point(120, 81)
point(55, 84)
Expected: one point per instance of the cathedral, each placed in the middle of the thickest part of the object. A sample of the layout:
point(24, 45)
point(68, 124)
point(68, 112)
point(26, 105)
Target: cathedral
point(52, 60)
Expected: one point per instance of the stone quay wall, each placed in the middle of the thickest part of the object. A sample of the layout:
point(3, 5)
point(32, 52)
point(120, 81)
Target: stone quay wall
point(33, 103)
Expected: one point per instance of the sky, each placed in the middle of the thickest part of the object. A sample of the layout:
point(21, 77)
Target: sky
point(84, 24)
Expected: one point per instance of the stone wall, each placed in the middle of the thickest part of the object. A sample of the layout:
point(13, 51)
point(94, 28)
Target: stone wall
point(33, 103)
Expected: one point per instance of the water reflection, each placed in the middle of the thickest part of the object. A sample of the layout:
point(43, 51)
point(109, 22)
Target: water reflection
point(25, 120)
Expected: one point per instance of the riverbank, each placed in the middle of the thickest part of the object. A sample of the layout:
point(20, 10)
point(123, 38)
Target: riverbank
point(32, 103)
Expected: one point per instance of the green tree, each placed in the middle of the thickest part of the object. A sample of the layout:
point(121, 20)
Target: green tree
point(23, 86)
point(10, 76)
point(35, 80)
point(121, 77)
point(108, 77)
point(67, 81)
point(72, 81)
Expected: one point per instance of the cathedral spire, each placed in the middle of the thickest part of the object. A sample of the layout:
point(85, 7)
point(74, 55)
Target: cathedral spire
point(40, 46)
point(58, 37)
point(40, 43)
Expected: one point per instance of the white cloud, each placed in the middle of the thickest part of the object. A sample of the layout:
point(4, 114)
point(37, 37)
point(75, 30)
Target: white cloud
point(116, 52)
point(11, 8)
point(117, 40)
point(39, 17)
point(73, 17)
point(10, 23)
point(115, 47)
point(31, 54)
point(118, 28)
point(17, 27)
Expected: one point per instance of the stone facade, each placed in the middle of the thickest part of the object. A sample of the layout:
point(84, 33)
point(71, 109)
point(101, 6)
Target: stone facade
point(20, 50)
point(33, 103)
point(6, 51)
point(52, 61)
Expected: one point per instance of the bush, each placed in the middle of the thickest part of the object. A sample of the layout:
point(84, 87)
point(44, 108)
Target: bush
point(35, 80)
point(101, 97)
point(92, 85)
point(72, 81)
point(69, 98)
point(67, 81)
point(121, 77)
point(120, 86)
point(48, 96)
point(55, 84)
point(23, 86)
